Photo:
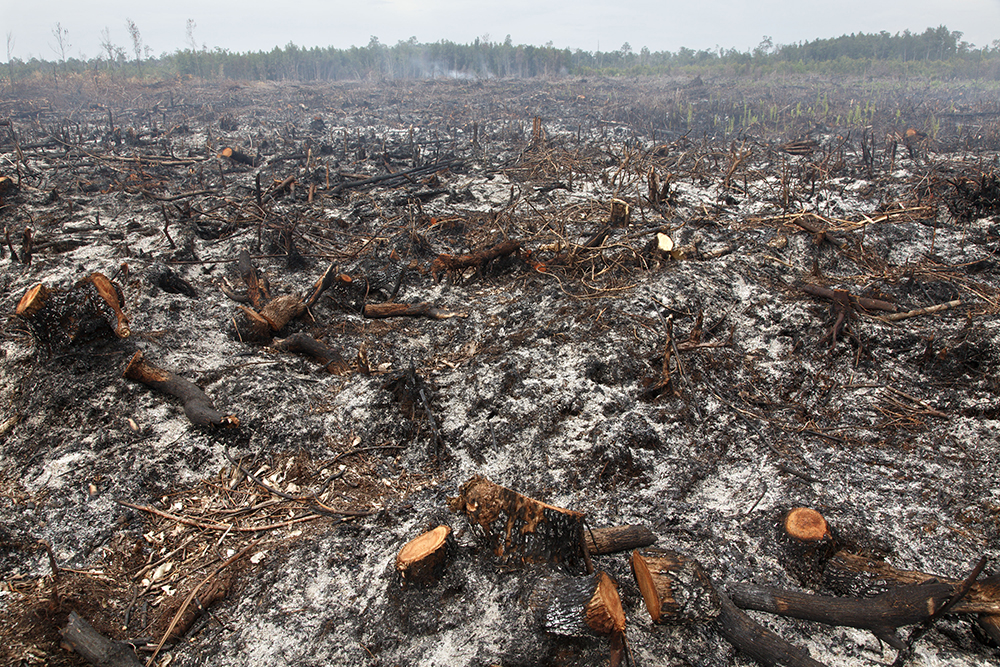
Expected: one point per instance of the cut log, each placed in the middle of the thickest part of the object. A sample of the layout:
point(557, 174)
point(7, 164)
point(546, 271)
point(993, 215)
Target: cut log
point(520, 530)
point(578, 606)
point(677, 589)
point(80, 636)
point(197, 405)
point(882, 614)
point(238, 156)
point(612, 539)
point(674, 587)
point(422, 561)
point(852, 574)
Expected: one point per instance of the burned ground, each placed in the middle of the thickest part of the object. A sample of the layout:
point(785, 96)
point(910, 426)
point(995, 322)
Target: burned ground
point(556, 378)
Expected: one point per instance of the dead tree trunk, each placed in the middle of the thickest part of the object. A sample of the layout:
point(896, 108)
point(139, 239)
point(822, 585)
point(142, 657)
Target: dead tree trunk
point(520, 530)
point(882, 614)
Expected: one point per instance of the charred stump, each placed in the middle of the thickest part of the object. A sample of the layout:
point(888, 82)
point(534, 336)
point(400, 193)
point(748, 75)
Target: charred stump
point(422, 560)
point(520, 530)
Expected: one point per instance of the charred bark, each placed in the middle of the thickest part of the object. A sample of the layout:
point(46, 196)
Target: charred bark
point(520, 530)
point(197, 405)
point(80, 636)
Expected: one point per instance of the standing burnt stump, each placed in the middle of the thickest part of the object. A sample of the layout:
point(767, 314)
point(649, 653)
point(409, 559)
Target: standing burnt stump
point(59, 318)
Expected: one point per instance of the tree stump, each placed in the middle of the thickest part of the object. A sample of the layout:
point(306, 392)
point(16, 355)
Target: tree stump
point(91, 309)
point(805, 542)
point(520, 530)
point(422, 560)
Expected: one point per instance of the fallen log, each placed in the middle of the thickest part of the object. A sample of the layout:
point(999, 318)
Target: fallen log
point(520, 530)
point(612, 539)
point(858, 575)
point(423, 559)
point(238, 156)
point(479, 259)
point(677, 589)
point(197, 405)
point(80, 636)
point(331, 359)
point(882, 614)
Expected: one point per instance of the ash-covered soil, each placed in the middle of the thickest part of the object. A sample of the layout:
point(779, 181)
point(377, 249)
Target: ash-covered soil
point(551, 381)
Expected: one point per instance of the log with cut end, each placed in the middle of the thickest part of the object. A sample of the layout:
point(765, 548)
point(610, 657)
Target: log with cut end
point(578, 605)
point(422, 560)
point(852, 574)
point(80, 636)
point(238, 156)
point(520, 530)
point(882, 614)
point(197, 405)
point(611, 539)
point(676, 588)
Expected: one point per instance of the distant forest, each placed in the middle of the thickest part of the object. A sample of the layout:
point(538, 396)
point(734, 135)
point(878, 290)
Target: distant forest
point(934, 53)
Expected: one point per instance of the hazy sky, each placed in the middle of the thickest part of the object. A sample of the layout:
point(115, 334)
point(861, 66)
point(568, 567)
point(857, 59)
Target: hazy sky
point(252, 25)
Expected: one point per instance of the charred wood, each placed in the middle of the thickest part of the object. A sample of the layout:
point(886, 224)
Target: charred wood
point(882, 614)
point(478, 260)
point(90, 309)
point(676, 589)
point(422, 560)
point(612, 539)
point(197, 405)
point(80, 636)
point(520, 530)
point(331, 359)
point(424, 309)
point(578, 606)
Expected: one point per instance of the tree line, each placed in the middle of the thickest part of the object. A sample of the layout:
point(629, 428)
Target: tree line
point(934, 52)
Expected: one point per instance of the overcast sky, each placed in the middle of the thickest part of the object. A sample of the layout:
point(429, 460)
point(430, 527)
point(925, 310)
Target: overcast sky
point(255, 25)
